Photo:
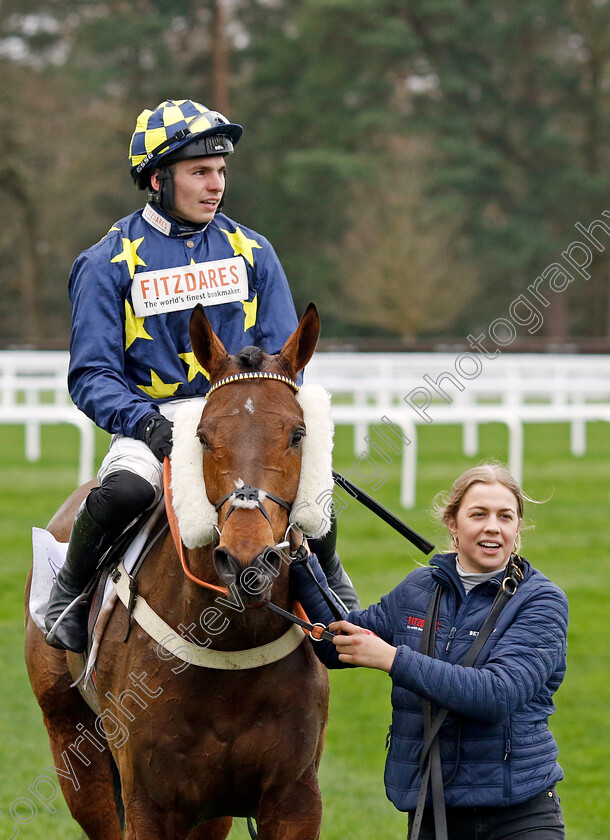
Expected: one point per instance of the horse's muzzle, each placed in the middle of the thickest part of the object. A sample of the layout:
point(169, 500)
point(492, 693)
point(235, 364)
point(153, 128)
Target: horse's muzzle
point(254, 579)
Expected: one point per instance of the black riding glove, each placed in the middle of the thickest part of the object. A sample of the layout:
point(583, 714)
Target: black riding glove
point(156, 432)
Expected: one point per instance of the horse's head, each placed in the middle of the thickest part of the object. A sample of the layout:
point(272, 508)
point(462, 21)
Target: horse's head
point(251, 432)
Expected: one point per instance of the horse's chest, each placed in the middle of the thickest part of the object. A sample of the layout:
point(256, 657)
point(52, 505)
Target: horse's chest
point(217, 763)
point(238, 739)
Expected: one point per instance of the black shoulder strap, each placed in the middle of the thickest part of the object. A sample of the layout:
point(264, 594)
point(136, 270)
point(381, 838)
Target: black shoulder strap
point(430, 761)
point(512, 579)
point(430, 757)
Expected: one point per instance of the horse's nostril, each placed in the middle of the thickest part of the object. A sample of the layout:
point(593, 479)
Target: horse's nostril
point(254, 578)
point(271, 560)
point(226, 565)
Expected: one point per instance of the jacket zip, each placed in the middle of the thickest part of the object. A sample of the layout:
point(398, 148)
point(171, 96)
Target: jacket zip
point(506, 761)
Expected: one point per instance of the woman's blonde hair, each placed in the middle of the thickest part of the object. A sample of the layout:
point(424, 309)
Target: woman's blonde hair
point(484, 474)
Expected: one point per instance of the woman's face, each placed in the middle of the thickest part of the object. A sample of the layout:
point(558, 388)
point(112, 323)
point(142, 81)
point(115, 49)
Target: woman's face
point(486, 527)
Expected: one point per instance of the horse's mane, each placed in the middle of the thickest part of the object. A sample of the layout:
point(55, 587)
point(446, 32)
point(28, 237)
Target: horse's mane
point(250, 358)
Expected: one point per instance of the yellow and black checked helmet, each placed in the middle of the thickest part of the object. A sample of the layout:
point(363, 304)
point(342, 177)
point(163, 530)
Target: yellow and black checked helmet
point(178, 129)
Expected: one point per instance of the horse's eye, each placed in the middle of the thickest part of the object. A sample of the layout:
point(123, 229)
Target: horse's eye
point(297, 437)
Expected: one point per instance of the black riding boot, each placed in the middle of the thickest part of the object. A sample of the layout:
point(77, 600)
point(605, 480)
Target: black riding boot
point(88, 542)
point(338, 580)
point(120, 498)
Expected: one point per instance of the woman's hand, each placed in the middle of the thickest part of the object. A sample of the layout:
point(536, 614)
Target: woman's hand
point(361, 647)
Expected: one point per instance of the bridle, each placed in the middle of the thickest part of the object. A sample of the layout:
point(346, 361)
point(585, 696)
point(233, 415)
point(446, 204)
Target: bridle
point(255, 374)
point(250, 497)
point(253, 497)
point(243, 496)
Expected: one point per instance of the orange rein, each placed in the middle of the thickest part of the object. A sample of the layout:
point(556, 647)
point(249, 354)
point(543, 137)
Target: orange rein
point(175, 529)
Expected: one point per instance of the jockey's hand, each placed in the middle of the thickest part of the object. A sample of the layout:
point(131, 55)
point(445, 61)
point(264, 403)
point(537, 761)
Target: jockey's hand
point(359, 646)
point(158, 436)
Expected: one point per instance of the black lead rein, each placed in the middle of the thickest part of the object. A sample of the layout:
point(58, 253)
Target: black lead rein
point(317, 630)
point(379, 510)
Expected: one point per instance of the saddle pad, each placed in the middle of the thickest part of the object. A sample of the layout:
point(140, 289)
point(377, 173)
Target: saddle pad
point(49, 555)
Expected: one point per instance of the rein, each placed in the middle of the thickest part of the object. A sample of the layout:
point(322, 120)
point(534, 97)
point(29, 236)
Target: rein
point(175, 531)
point(317, 631)
point(243, 496)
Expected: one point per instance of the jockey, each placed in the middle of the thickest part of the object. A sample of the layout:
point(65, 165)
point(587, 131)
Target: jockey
point(131, 360)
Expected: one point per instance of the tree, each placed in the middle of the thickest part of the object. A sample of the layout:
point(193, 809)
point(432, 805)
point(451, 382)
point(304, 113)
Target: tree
point(508, 103)
point(74, 74)
point(316, 106)
point(516, 118)
point(403, 267)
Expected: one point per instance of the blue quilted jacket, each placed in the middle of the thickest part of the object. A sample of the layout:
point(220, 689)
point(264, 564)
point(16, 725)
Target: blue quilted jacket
point(496, 747)
point(124, 362)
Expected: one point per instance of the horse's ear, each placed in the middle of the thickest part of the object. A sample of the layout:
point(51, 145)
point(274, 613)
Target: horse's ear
point(300, 347)
point(208, 348)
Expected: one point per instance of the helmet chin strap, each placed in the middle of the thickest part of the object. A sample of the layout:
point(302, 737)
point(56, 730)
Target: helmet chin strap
point(164, 197)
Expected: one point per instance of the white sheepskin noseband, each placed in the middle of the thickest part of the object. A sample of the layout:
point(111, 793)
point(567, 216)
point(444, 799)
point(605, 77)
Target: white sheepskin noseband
point(197, 517)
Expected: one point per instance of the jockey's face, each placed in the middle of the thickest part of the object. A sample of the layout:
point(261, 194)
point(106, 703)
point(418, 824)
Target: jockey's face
point(199, 184)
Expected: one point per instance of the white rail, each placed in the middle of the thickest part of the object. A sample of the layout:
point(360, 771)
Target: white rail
point(408, 389)
point(467, 389)
point(33, 392)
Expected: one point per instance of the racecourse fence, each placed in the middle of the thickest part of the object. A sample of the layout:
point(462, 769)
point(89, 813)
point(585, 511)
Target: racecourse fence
point(33, 393)
point(394, 394)
point(384, 397)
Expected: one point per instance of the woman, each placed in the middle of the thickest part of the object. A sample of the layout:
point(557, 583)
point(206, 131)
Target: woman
point(469, 735)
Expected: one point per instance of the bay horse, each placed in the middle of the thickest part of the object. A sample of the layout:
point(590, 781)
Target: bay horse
point(196, 746)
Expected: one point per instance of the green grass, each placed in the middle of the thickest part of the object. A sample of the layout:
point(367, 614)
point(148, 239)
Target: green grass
point(568, 543)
